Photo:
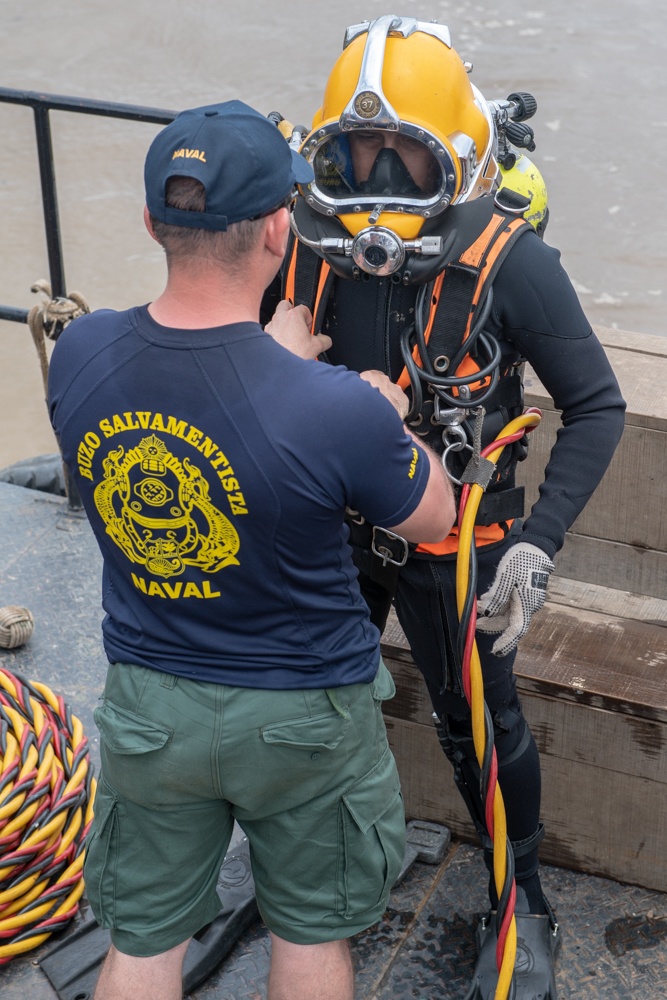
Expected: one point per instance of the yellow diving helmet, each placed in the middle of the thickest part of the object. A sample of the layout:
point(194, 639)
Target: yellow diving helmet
point(402, 134)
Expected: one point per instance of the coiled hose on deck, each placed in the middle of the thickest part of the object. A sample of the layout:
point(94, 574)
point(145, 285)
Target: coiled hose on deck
point(47, 792)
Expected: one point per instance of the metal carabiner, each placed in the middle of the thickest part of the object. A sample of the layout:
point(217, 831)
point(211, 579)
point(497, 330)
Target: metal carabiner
point(447, 415)
point(454, 437)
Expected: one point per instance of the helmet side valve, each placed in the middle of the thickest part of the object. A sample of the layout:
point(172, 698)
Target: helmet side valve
point(510, 116)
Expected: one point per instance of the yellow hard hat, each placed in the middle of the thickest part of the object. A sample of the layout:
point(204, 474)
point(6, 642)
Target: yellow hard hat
point(401, 133)
point(525, 179)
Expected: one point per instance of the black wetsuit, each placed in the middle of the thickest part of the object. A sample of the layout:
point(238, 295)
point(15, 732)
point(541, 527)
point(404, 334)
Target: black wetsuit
point(535, 316)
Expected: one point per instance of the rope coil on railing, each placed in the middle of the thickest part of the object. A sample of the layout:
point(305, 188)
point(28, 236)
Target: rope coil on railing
point(47, 319)
point(482, 724)
point(47, 792)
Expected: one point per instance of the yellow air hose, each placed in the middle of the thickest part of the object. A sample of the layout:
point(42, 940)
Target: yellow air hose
point(47, 792)
point(495, 809)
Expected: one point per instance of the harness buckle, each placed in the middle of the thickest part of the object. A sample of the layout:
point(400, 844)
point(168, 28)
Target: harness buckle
point(386, 548)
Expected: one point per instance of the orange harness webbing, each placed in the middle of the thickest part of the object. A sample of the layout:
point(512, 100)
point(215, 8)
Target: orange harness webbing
point(485, 252)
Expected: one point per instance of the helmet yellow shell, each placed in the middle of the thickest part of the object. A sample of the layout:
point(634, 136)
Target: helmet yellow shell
point(417, 85)
point(425, 82)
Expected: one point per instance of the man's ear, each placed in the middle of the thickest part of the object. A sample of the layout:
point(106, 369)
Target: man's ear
point(148, 224)
point(276, 232)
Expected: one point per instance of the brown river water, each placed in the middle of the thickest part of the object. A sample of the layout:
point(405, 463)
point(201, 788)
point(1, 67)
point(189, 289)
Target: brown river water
point(597, 71)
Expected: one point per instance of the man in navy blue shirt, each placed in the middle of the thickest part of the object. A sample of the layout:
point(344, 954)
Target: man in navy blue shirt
point(216, 461)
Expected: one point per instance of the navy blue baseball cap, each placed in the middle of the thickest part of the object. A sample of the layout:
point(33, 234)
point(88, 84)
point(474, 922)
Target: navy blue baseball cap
point(241, 158)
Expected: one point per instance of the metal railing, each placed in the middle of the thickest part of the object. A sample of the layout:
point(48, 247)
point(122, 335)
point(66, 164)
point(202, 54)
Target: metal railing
point(41, 105)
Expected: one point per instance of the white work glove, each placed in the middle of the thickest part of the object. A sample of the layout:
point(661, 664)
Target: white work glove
point(517, 592)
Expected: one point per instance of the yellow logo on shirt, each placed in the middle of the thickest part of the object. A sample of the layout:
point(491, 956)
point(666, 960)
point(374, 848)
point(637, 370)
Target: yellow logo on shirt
point(413, 463)
point(157, 509)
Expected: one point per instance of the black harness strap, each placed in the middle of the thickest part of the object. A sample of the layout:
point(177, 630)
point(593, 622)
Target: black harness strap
point(453, 311)
point(501, 506)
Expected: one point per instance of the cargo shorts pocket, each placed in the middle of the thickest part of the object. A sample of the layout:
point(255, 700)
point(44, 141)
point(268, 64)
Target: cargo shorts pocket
point(128, 733)
point(100, 869)
point(129, 742)
point(373, 838)
point(317, 732)
point(383, 687)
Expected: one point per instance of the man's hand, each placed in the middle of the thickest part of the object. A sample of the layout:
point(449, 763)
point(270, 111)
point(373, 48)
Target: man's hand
point(290, 327)
point(389, 390)
point(517, 592)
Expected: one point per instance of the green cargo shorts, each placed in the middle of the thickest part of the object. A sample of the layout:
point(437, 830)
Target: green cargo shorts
point(307, 774)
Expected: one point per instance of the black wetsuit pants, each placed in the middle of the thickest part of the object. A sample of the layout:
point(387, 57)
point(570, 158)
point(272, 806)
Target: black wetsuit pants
point(425, 603)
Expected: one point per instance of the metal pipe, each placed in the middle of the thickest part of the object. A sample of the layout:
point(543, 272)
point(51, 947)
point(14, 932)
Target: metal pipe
point(50, 204)
point(86, 106)
point(14, 315)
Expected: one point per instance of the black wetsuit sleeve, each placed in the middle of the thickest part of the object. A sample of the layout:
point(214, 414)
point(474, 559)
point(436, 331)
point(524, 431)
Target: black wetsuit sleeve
point(539, 313)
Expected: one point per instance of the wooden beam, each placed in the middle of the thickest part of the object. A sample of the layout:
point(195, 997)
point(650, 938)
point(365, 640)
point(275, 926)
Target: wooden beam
point(592, 687)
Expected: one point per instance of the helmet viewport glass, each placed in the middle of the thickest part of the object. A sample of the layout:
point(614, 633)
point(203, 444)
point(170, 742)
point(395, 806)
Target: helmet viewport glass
point(376, 163)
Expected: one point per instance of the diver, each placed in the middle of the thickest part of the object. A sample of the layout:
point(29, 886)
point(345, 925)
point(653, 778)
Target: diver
point(417, 248)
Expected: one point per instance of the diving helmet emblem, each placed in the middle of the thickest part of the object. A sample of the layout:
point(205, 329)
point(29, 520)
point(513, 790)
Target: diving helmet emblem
point(157, 509)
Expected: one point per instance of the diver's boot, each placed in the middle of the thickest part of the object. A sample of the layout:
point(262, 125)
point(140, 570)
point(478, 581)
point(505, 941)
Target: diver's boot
point(537, 946)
